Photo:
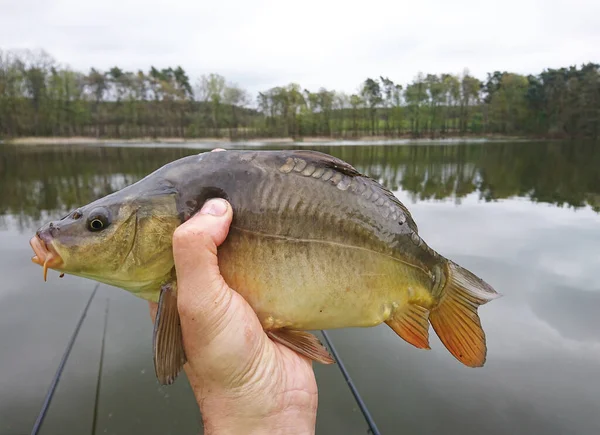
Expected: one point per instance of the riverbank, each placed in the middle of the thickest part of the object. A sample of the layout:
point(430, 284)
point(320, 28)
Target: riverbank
point(82, 140)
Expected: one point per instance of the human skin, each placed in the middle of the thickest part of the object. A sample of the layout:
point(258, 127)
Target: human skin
point(243, 381)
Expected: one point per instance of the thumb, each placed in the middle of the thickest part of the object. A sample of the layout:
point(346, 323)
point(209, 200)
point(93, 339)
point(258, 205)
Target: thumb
point(200, 287)
point(212, 315)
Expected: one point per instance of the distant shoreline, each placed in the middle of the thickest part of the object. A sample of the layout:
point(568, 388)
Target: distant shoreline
point(82, 140)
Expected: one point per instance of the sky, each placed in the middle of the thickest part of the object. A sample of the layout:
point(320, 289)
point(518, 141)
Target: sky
point(337, 44)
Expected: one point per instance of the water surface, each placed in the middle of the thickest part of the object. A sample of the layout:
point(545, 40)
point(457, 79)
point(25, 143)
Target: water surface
point(523, 216)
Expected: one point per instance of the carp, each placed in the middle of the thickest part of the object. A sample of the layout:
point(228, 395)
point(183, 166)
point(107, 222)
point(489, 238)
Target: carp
point(314, 244)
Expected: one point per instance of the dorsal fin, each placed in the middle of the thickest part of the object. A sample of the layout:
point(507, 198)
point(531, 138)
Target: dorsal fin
point(327, 161)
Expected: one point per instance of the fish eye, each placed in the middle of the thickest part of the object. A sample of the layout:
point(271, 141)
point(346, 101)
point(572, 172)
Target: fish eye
point(96, 224)
point(98, 219)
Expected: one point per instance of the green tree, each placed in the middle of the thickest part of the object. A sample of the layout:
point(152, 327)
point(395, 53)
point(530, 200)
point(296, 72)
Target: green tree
point(451, 90)
point(311, 113)
point(469, 93)
point(118, 81)
point(387, 103)
point(211, 90)
point(325, 105)
point(98, 85)
point(341, 103)
point(11, 85)
point(508, 105)
point(236, 98)
point(435, 93)
point(35, 70)
point(416, 97)
point(371, 94)
point(357, 103)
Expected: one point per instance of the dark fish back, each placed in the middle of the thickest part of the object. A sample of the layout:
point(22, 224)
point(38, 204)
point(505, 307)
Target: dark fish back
point(299, 195)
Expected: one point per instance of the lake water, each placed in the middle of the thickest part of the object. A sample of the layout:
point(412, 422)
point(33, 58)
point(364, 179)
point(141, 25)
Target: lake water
point(523, 216)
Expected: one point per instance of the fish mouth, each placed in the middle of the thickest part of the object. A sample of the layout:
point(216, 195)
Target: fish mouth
point(45, 255)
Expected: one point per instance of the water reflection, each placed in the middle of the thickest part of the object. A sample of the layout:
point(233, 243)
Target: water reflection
point(543, 349)
point(571, 311)
point(34, 180)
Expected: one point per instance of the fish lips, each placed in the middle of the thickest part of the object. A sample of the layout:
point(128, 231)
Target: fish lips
point(45, 254)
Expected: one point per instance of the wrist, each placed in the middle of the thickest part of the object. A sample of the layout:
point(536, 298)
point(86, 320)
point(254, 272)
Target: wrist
point(292, 413)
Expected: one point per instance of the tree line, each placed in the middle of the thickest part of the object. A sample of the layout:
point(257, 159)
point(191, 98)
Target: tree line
point(40, 97)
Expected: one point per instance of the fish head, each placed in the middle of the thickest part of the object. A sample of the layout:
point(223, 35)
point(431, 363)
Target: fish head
point(122, 240)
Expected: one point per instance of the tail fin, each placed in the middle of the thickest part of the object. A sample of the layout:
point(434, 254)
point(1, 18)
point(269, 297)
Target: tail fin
point(455, 319)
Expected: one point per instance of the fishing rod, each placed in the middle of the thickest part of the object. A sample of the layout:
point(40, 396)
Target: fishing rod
point(361, 404)
point(61, 367)
point(100, 367)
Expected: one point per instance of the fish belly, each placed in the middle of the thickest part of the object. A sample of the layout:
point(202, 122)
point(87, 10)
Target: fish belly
point(315, 284)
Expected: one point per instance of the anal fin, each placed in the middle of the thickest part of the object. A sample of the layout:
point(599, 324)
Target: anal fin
point(169, 355)
point(412, 324)
point(302, 342)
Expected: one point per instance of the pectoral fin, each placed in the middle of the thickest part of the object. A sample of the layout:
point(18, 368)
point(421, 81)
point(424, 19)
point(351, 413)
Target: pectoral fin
point(302, 342)
point(169, 355)
point(412, 324)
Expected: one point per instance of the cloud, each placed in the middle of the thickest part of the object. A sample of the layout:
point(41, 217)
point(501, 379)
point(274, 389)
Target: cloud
point(336, 44)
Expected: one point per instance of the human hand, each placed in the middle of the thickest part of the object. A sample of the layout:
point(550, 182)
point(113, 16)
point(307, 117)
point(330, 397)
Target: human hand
point(243, 381)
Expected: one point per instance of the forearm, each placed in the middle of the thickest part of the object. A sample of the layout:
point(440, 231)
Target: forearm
point(294, 413)
point(288, 424)
point(231, 420)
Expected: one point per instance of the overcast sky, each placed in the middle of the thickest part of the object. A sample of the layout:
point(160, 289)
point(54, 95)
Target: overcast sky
point(331, 43)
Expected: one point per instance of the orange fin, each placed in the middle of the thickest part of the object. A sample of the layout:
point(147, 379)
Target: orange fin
point(302, 342)
point(455, 319)
point(412, 324)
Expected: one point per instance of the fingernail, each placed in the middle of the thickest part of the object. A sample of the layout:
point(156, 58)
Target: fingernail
point(215, 207)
